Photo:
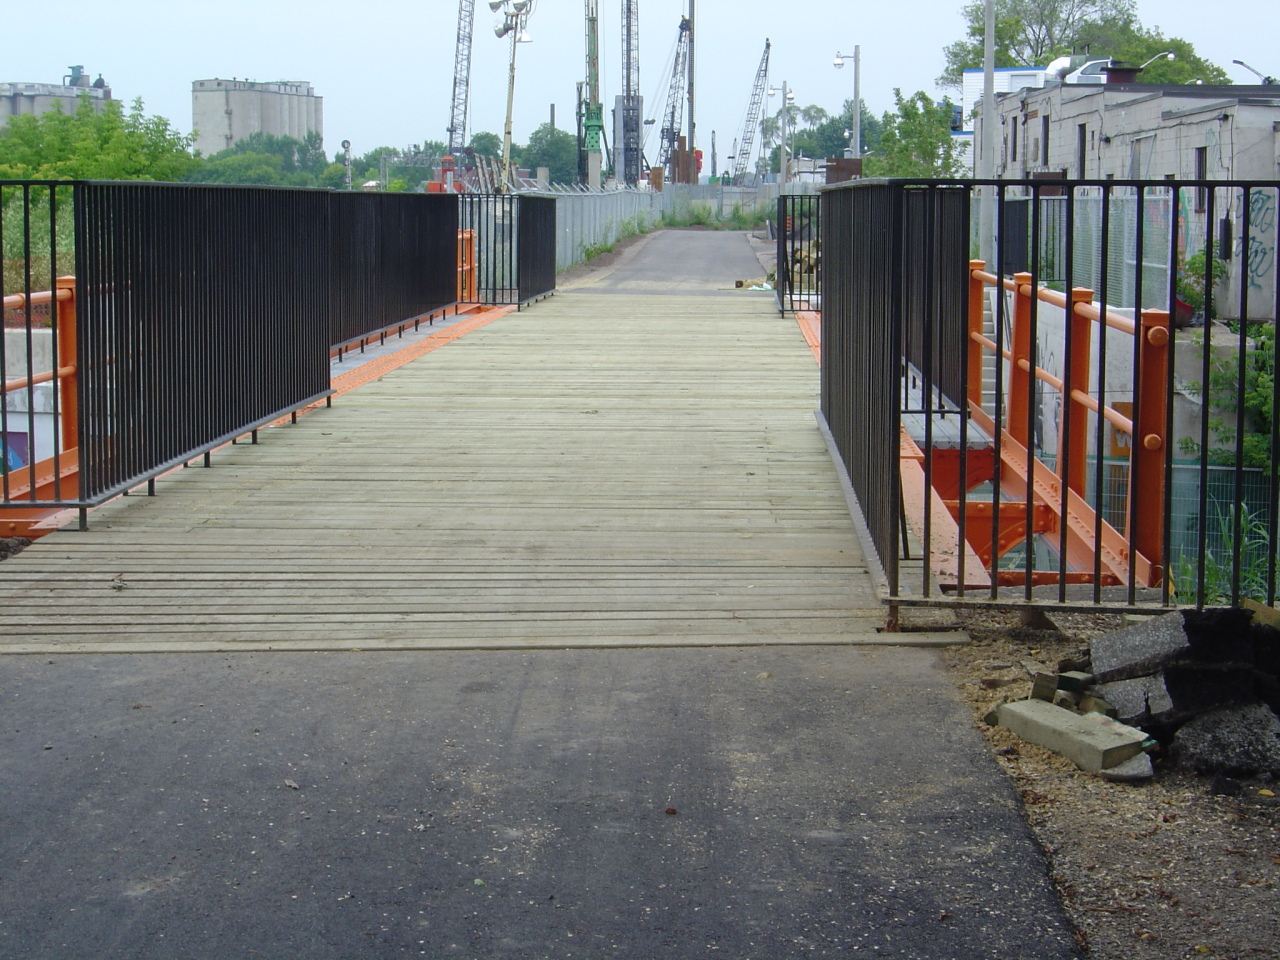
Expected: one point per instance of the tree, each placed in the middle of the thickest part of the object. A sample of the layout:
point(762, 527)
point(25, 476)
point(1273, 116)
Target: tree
point(266, 159)
point(1028, 32)
point(91, 144)
point(485, 144)
point(555, 149)
point(916, 140)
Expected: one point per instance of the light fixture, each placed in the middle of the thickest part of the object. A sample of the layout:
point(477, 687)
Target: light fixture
point(502, 27)
point(496, 5)
point(524, 37)
point(1267, 81)
point(1168, 55)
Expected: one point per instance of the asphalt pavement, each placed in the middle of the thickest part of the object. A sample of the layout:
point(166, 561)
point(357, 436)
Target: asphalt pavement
point(641, 804)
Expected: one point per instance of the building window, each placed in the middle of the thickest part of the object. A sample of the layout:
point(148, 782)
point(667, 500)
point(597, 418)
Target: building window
point(1201, 173)
point(1082, 138)
point(1044, 140)
point(1013, 143)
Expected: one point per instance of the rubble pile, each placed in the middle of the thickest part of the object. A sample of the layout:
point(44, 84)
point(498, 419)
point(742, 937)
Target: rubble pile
point(1201, 686)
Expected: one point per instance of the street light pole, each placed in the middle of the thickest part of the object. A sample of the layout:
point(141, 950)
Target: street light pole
point(505, 185)
point(515, 14)
point(855, 133)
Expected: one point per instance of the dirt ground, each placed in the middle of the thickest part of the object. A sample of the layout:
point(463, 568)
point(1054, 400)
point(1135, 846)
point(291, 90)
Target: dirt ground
point(1169, 868)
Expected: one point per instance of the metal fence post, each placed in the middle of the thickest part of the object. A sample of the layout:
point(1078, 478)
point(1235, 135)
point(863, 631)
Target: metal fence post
point(1150, 436)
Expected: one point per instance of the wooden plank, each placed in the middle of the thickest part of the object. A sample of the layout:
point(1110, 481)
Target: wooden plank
point(594, 470)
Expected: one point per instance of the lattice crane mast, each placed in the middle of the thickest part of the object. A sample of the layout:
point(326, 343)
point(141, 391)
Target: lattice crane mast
point(631, 99)
point(673, 115)
point(461, 77)
point(592, 109)
point(743, 159)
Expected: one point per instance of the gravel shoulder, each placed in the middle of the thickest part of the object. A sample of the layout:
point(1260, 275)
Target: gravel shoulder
point(1146, 872)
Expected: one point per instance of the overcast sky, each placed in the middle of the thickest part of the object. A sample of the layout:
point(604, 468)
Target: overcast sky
point(385, 67)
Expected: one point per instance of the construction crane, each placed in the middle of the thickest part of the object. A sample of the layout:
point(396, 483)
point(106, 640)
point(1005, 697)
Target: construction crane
point(631, 101)
point(673, 115)
point(592, 110)
point(461, 77)
point(743, 157)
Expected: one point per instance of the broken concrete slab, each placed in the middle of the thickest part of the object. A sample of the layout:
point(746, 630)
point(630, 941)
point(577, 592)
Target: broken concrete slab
point(1138, 701)
point(1090, 745)
point(1237, 741)
point(1139, 650)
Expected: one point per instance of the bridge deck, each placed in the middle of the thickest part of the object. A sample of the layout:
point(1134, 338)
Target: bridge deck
point(596, 470)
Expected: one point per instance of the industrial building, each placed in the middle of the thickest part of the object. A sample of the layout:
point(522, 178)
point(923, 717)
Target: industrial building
point(224, 111)
point(17, 99)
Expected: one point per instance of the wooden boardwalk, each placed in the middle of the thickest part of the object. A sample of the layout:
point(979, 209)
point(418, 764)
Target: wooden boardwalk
point(595, 470)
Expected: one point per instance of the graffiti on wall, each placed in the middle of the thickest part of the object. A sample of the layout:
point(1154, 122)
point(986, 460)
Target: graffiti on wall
point(1259, 259)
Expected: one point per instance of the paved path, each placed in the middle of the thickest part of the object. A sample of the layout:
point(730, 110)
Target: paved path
point(831, 798)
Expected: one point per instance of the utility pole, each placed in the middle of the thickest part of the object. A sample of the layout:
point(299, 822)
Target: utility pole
point(987, 167)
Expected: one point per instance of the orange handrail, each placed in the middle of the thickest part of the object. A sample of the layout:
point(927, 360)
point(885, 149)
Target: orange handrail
point(467, 281)
point(1148, 425)
point(56, 477)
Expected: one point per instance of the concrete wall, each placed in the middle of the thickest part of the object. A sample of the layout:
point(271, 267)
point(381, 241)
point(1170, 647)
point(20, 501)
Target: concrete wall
point(224, 111)
point(18, 99)
point(1147, 132)
point(39, 401)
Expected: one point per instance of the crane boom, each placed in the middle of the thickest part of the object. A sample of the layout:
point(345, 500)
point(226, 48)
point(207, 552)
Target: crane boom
point(743, 158)
point(461, 77)
point(673, 115)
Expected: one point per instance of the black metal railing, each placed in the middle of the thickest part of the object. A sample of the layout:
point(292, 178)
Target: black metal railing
point(515, 246)
point(392, 259)
point(195, 314)
point(1096, 423)
point(799, 252)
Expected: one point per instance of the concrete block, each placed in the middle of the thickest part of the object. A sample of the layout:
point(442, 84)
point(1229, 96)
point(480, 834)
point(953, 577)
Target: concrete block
point(1133, 770)
point(1139, 650)
point(1090, 745)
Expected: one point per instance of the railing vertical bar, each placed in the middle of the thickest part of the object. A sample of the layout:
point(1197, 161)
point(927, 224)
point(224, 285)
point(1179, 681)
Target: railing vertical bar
point(1029, 542)
point(30, 341)
point(1166, 587)
point(998, 314)
point(54, 353)
point(1273, 451)
point(1242, 373)
point(4, 368)
point(1104, 295)
point(926, 331)
point(1135, 469)
point(1206, 374)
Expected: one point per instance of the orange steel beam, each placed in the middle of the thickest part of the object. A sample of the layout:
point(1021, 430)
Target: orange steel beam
point(1013, 524)
point(1030, 475)
point(1150, 431)
point(943, 542)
